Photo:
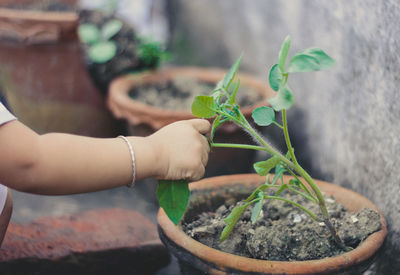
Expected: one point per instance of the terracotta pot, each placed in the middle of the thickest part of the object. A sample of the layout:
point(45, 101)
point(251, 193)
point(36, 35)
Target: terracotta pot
point(197, 258)
point(43, 76)
point(145, 119)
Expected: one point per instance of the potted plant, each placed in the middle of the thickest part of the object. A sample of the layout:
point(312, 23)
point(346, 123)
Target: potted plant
point(112, 47)
point(43, 75)
point(338, 231)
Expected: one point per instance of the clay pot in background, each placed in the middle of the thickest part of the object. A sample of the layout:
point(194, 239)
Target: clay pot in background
point(144, 119)
point(197, 258)
point(43, 76)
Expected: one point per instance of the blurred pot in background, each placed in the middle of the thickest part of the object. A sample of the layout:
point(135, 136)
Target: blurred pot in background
point(43, 76)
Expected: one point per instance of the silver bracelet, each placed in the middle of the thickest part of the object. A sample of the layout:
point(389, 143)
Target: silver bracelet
point(133, 161)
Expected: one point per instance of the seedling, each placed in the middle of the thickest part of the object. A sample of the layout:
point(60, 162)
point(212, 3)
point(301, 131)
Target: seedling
point(102, 48)
point(151, 52)
point(222, 105)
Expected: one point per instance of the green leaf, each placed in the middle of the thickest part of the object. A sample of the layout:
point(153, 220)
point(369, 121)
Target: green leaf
point(302, 62)
point(102, 52)
point(279, 170)
point(255, 213)
point(219, 85)
point(263, 167)
point(231, 73)
point(275, 77)
point(283, 100)
point(280, 190)
point(288, 156)
point(262, 187)
point(232, 98)
point(111, 28)
point(231, 221)
point(294, 182)
point(204, 106)
point(88, 33)
point(263, 116)
point(218, 121)
point(312, 59)
point(173, 197)
point(217, 94)
point(325, 61)
point(283, 53)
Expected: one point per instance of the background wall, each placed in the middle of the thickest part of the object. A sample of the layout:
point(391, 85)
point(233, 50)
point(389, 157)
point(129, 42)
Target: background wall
point(346, 123)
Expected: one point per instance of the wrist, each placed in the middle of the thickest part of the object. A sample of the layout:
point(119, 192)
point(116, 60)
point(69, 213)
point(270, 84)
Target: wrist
point(146, 157)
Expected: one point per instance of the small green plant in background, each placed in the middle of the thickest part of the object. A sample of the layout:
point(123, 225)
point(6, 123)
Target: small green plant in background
point(222, 106)
point(151, 52)
point(101, 47)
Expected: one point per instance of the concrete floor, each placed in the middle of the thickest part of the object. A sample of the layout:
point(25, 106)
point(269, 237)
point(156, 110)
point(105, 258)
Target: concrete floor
point(142, 198)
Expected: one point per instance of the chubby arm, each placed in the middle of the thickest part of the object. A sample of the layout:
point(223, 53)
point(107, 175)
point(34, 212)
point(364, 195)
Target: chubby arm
point(55, 164)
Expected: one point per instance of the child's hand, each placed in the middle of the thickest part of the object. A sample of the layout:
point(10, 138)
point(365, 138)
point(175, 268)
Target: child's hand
point(182, 149)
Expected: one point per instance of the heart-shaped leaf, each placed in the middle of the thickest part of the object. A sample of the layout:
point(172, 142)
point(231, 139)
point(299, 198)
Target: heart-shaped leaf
point(263, 116)
point(204, 106)
point(283, 100)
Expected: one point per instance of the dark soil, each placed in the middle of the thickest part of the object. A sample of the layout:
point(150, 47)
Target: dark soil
point(180, 92)
point(127, 58)
point(59, 6)
point(283, 232)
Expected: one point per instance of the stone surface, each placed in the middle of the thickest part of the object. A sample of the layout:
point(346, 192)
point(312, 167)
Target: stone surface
point(345, 124)
point(100, 241)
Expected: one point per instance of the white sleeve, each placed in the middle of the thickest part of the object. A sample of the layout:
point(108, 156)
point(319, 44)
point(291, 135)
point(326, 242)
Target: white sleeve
point(3, 197)
point(5, 115)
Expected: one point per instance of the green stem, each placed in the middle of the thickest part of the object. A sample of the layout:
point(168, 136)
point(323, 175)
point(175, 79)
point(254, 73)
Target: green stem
point(240, 146)
point(310, 198)
point(312, 215)
point(302, 184)
point(277, 124)
point(268, 148)
point(287, 138)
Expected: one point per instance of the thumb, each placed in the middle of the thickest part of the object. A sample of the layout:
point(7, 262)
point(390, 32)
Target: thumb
point(201, 125)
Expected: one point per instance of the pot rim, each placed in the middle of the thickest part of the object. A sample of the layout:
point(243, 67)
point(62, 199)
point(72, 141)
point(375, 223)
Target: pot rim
point(30, 27)
point(123, 106)
point(230, 261)
point(38, 15)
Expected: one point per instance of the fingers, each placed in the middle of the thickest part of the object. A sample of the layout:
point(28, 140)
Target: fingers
point(201, 125)
point(198, 174)
point(205, 150)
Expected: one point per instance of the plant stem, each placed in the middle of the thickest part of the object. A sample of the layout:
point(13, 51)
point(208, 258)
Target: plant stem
point(310, 182)
point(277, 124)
point(302, 184)
point(287, 138)
point(304, 195)
point(240, 146)
point(312, 215)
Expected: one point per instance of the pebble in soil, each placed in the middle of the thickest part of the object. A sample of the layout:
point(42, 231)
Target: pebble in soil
point(180, 92)
point(283, 232)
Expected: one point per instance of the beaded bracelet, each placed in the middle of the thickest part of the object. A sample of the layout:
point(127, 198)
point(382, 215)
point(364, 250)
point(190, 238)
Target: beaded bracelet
point(133, 161)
